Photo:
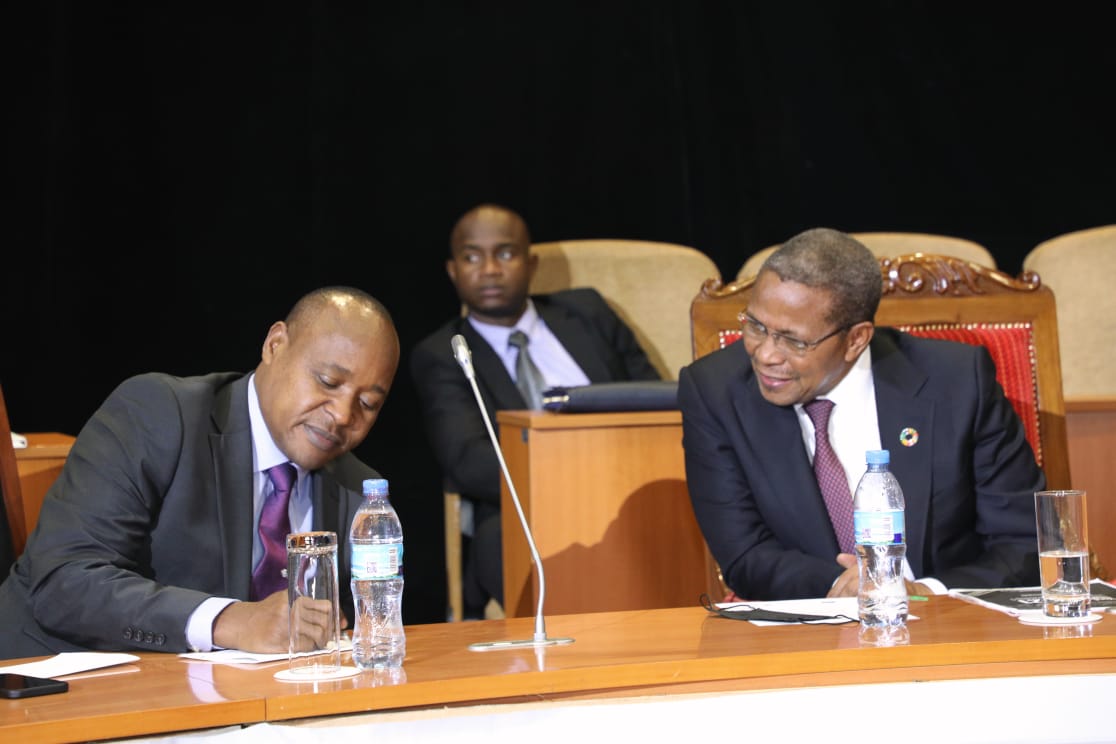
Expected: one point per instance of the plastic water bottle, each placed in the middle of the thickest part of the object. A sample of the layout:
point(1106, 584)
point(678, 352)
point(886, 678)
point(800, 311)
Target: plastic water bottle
point(879, 525)
point(376, 548)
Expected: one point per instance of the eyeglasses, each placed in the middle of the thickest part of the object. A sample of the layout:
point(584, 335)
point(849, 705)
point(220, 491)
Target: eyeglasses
point(755, 331)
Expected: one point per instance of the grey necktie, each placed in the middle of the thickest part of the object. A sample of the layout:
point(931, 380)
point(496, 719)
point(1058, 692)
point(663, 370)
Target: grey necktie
point(527, 376)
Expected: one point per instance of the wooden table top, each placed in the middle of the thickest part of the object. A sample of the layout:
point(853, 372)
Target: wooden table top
point(614, 654)
point(45, 445)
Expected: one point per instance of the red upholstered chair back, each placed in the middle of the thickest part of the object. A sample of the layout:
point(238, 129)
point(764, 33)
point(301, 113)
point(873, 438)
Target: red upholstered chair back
point(947, 297)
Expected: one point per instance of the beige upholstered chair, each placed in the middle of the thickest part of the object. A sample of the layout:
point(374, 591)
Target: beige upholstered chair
point(650, 286)
point(885, 244)
point(1079, 267)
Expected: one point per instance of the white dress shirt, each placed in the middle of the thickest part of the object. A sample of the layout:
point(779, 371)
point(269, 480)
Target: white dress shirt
point(547, 352)
point(854, 428)
point(265, 454)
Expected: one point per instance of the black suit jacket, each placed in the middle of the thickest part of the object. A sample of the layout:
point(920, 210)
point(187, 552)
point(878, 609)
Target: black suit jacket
point(151, 515)
point(592, 333)
point(969, 481)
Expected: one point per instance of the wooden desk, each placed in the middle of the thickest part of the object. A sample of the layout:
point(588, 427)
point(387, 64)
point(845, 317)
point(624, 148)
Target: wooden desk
point(665, 652)
point(39, 465)
point(605, 497)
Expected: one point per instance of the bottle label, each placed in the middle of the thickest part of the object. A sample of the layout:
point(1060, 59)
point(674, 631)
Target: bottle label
point(377, 561)
point(879, 527)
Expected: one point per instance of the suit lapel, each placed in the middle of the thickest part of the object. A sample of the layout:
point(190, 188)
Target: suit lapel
point(492, 376)
point(901, 414)
point(776, 437)
point(231, 449)
point(327, 508)
point(569, 330)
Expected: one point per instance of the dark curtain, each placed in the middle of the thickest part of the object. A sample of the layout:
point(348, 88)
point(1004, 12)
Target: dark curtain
point(180, 173)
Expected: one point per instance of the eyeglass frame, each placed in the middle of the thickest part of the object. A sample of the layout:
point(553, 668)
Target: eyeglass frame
point(792, 344)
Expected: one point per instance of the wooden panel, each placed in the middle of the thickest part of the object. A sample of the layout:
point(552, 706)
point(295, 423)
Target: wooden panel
point(39, 465)
point(605, 497)
point(1091, 429)
point(153, 696)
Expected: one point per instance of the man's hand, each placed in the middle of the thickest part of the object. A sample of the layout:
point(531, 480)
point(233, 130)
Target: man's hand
point(915, 589)
point(259, 627)
point(848, 582)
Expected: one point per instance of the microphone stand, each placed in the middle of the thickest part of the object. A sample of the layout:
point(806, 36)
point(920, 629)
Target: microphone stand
point(465, 358)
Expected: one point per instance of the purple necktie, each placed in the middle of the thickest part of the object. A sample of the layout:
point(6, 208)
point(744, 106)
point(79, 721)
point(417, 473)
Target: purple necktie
point(831, 476)
point(268, 577)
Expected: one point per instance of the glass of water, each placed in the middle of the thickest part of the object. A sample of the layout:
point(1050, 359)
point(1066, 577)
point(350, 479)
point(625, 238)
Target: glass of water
point(1063, 544)
point(315, 630)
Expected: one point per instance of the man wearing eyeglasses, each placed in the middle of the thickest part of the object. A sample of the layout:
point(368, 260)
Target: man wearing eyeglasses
point(748, 411)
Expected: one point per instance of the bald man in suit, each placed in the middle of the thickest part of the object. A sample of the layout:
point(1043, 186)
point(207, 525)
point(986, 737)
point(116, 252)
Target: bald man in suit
point(148, 539)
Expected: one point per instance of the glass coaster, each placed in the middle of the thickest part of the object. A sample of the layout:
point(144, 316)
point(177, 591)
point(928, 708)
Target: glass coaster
point(286, 675)
point(1040, 619)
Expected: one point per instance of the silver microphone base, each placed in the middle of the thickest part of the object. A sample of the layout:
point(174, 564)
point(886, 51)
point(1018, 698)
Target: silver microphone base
point(525, 643)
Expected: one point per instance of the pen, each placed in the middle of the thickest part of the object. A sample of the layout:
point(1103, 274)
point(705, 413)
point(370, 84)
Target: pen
point(916, 598)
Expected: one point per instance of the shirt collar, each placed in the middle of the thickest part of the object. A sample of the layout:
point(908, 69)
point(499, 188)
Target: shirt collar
point(497, 335)
point(854, 387)
point(265, 453)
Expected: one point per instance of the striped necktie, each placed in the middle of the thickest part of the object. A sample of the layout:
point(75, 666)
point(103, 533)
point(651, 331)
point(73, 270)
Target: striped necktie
point(269, 575)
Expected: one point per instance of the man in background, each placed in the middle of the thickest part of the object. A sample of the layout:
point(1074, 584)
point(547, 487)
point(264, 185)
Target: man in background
point(165, 529)
point(571, 338)
point(813, 374)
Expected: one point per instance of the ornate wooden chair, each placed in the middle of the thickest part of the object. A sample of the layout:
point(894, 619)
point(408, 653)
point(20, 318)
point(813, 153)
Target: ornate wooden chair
point(648, 284)
point(886, 244)
point(947, 297)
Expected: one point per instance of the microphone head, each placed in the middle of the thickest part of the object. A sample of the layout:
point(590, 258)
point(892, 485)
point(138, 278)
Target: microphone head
point(462, 354)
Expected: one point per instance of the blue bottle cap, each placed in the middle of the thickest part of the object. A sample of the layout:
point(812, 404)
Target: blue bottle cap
point(877, 457)
point(376, 487)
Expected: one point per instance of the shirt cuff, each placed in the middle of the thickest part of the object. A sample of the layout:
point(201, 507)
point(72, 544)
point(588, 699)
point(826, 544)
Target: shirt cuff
point(199, 626)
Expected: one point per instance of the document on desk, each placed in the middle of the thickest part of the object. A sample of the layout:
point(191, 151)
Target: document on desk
point(1025, 601)
point(236, 656)
point(74, 662)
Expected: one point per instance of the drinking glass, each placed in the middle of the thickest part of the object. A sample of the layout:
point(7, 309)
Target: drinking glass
point(312, 596)
point(1063, 545)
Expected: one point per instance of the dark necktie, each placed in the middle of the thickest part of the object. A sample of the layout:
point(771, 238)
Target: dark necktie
point(831, 476)
point(275, 524)
point(527, 376)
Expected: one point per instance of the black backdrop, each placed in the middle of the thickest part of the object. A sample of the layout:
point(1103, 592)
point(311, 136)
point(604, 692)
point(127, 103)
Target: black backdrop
point(179, 173)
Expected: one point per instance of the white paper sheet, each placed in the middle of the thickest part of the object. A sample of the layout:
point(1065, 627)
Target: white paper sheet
point(69, 663)
point(236, 656)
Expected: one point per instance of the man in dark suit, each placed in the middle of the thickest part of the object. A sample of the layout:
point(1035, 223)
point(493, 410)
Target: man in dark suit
point(957, 447)
point(149, 538)
point(574, 338)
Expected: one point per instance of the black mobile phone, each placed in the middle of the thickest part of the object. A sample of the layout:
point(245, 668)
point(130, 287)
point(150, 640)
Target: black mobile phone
point(21, 686)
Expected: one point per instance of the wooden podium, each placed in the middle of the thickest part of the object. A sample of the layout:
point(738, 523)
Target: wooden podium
point(605, 497)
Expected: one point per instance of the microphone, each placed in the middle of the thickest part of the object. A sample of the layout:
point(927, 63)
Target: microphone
point(465, 359)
